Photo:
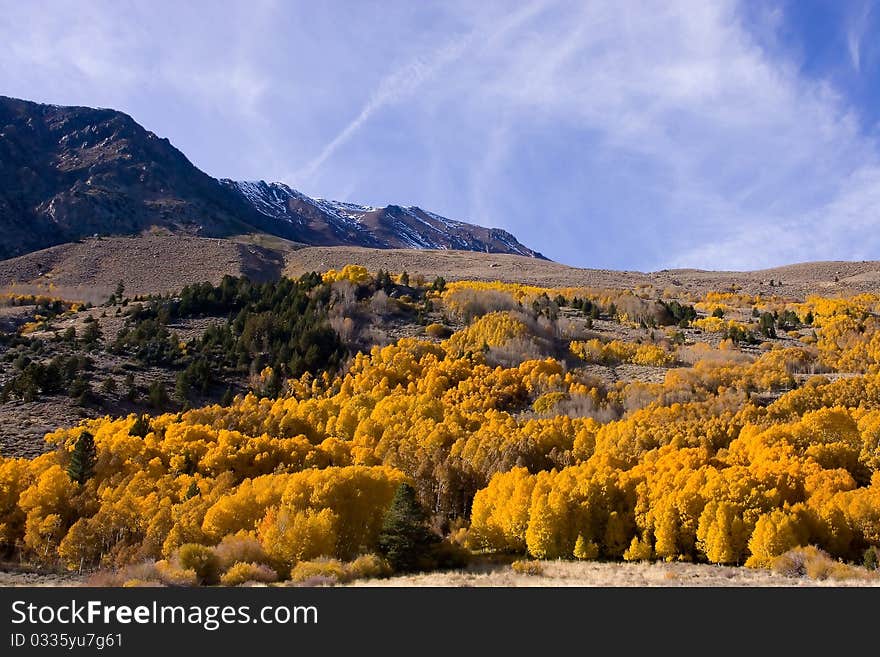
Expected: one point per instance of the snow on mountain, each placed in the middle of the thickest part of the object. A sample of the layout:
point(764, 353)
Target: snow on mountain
point(335, 222)
point(70, 172)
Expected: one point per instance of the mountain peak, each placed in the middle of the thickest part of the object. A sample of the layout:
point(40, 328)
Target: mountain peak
point(71, 172)
point(336, 223)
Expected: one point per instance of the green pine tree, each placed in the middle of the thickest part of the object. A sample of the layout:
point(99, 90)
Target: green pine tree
point(82, 459)
point(405, 540)
point(141, 426)
point(192, 491)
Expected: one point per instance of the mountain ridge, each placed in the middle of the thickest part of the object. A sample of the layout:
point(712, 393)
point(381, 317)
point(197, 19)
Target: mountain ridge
point(68, 172)
point(391, 226)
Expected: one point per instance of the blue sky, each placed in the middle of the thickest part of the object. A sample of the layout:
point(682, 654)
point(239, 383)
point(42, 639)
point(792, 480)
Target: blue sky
point(632, 135)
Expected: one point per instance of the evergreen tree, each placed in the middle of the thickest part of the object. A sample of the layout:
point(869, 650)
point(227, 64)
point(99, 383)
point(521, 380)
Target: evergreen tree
point(767, 325)
point(182, 387)
point(192, 491)
point(141, 427)
point(80, 390)
point(109, 386)
point(92, 335)
point(82, 459)
point(405, 540)
point(158, 395)
point(131, 391)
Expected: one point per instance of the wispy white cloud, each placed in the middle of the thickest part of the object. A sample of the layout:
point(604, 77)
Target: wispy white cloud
point(734, 144)
point(604, 133)
point(855, 34)
point(395, 87)
point(406, 80)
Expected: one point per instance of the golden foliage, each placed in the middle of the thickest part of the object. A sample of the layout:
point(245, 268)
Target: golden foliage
point(617, 351)
point(691, 468)
point(353, 273)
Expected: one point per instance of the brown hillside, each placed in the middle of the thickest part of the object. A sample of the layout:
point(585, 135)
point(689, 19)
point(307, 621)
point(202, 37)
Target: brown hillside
point(90, 270)
point(827, 278)
point(156, 263)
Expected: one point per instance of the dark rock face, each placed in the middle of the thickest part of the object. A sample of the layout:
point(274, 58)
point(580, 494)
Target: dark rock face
point(68, 172)
point(71, 172)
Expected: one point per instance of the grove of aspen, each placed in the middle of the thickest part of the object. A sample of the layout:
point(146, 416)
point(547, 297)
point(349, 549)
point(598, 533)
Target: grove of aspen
point(745, 427)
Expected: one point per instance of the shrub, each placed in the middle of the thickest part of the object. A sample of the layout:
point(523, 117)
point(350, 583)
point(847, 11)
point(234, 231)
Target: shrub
point(527, 567)
point(437, 331)
point(201, 560)
point(871, 559)
point(174, 575)
point(140, 583)
point(146, 573)
point(812, 562)
point(368, 566)
point(448, 554)
point(828, 568)
point(792, 563)
point(319, 580)
point(240, 548)
point(329, 570)
point(248, 572)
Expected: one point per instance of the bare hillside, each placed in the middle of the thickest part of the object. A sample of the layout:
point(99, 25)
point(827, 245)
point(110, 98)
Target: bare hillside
point(89, 270)
point(793, 281)
point(454, 265)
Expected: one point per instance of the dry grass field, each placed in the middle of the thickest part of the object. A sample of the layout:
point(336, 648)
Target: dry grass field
point(555, 574)
point(595, 573)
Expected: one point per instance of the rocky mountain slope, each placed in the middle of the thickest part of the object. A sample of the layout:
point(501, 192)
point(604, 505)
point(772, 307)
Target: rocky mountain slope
point(72, 172)
point(323, 222)
point(68, 172)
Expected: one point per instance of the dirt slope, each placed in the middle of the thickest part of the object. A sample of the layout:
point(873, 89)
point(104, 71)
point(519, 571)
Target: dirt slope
point(90, 269)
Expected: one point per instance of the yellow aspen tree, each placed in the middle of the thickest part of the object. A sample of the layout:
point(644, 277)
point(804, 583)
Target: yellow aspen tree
point(617, 537)
point(639, 550)
point(542, 534)
point(722, 535)
point(775, 533)
point(585, 549)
